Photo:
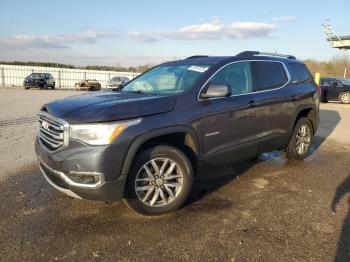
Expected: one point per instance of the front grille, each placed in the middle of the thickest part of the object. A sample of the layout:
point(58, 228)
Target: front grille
point(52, 132)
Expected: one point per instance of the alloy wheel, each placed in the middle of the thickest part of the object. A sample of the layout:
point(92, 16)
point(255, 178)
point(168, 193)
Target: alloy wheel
point(159, 182)
point(303, 139)
point(345, 98)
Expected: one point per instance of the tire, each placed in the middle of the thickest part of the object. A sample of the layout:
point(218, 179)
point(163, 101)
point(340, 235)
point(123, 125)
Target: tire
point(300, 152)
point(153, 194)
point(345, 98)
point(53, 86)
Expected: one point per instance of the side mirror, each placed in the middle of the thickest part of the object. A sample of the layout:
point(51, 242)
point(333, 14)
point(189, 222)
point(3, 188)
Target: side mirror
point(216, 91)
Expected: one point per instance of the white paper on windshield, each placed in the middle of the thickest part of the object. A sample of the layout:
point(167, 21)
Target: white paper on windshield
point(200, 69)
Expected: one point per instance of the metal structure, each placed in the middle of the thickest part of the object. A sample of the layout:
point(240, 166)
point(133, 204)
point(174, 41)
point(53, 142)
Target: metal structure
point(335, 41)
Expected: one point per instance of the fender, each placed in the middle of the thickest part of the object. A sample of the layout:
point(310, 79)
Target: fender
point(299, 109)
point(136, 144)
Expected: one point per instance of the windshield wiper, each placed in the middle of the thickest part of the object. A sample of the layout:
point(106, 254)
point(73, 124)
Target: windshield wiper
point(139, 92)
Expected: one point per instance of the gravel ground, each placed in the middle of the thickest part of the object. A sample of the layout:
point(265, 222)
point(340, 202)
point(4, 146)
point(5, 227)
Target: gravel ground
point(18, 109)
point(265, 210)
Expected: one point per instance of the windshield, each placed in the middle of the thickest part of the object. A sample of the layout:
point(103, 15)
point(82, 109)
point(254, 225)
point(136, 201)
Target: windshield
point(344, 81)
point(166, 79)
point(37, 76)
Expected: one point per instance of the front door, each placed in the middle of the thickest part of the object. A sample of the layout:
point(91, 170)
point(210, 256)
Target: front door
point(230, 125)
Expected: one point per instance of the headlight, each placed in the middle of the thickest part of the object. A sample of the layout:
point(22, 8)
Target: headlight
point(100, 134)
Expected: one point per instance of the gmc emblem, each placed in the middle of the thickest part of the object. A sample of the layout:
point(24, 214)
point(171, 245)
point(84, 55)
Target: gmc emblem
point(45, 125)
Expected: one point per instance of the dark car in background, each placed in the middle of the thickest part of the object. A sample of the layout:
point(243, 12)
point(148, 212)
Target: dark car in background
point(117, 81)
point(149, 140)
point(336, 89)
point(88, 85)
point(41, 80)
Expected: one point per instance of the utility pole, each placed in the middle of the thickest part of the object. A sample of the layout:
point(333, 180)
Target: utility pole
point(345, 72)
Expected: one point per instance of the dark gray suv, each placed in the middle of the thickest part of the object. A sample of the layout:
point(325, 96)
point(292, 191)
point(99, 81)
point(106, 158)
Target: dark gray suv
point(147, 141)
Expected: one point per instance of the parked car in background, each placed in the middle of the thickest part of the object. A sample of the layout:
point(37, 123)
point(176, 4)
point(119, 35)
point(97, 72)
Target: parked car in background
point(147, 141)
point(335, 88)
point(88, 84)
point(41, 80)
point(117, 81)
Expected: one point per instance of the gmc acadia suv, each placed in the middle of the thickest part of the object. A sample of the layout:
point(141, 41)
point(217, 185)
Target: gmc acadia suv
point(41, 80)
point(146, 141)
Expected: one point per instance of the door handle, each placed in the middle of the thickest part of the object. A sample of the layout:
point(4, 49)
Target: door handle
point(294, 97)
point(253, 103)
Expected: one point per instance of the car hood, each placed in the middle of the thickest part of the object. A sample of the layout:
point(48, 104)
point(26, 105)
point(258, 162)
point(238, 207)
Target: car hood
point(107, 106)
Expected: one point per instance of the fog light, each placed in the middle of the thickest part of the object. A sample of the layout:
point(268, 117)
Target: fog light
point(85, 178)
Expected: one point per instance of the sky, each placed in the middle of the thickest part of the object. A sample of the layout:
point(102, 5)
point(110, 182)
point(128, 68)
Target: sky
point(131, 33)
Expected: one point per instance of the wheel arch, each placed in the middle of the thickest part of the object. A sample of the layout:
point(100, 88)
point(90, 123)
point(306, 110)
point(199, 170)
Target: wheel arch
point(308, 112)
point(181, 137)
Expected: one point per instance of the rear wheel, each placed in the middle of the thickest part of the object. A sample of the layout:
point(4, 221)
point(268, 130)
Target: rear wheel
point(345, 98)
point(300, 142)
point(160, 181)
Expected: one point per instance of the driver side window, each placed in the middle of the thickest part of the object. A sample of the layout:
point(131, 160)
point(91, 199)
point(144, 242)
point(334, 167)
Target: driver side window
point(332, 83)
point(236, 76)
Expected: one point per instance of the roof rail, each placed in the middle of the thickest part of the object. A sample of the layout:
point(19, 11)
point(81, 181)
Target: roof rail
point(257, 53)
point(197, 56)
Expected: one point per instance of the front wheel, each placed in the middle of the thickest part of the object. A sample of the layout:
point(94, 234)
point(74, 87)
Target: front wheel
point(300, 142)
point(160, 181)
point(345, 98)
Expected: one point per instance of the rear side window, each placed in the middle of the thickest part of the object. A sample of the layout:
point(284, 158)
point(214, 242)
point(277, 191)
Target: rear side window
point(300, 73)
point(268, 75)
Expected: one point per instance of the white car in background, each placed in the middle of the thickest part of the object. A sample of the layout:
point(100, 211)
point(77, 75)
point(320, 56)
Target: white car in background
point(117, 81)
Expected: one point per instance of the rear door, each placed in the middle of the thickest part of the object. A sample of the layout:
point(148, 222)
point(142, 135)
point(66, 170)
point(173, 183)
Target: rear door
point(230, 125)
point(270, 79)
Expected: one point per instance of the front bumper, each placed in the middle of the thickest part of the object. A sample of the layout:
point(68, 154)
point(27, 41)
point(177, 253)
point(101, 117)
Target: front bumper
point(78, 159)
point(34, 84)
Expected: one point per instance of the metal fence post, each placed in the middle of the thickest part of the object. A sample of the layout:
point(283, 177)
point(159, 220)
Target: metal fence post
point(59, 78)
point(2, 76)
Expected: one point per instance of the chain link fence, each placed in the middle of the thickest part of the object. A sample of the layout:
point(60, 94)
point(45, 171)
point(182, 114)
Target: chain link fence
point(14, 75)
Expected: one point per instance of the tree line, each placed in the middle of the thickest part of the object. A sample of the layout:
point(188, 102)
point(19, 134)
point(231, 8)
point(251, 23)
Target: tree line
point(137, 69)
point(334, 67)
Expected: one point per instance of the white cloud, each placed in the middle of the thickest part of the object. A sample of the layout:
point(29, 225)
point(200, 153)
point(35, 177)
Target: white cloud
point(55, 41)
point(143, 37)
point(249, 30)
point(284, 18)
point(214, 30)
